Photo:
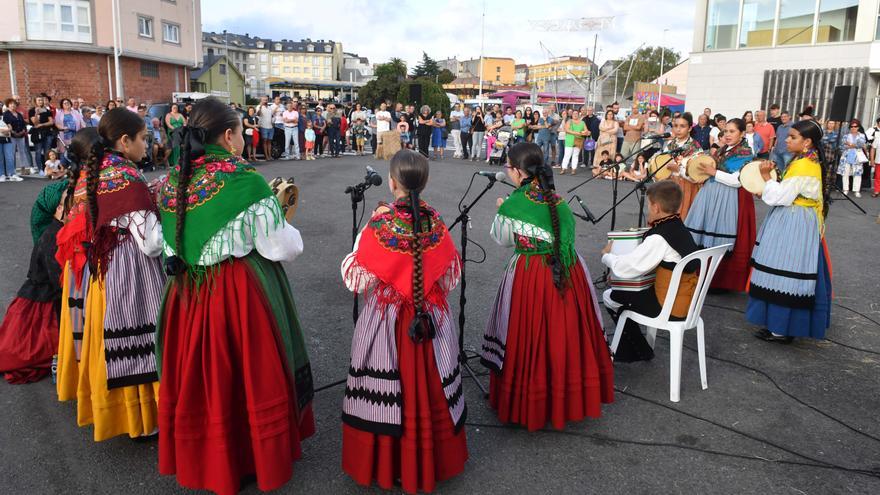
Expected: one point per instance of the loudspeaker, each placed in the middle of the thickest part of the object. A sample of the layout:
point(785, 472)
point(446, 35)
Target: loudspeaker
point(415, 94)
point(843, 103)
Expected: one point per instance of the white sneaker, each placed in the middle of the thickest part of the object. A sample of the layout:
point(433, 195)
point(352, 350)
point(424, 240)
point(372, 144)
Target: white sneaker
point(2, 178)
point(858, 194)
point(14, 178)
point(34, 171)
point(42, 173)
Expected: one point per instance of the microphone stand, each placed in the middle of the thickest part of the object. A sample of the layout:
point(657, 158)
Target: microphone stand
point(356, 193)
point(653, 142)
point(640, 186)
point(464, 219)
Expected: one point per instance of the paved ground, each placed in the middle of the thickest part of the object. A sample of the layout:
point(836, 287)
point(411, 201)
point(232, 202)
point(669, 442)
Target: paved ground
point(798, 426)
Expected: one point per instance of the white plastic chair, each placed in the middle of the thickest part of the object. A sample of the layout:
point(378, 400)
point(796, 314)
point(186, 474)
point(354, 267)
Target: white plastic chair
point(709, 261)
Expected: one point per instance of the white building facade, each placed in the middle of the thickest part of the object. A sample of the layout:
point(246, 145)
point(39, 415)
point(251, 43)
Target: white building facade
point(749, 54)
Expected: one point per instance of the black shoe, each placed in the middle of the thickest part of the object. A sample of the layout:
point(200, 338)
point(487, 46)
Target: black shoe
point(767, 336)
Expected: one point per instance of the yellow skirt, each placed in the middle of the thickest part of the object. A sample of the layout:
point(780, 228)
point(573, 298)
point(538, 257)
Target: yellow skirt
point(127, 410)
point(68, 367)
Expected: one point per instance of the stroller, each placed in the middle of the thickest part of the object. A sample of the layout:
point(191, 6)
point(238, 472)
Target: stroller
point(502, 142)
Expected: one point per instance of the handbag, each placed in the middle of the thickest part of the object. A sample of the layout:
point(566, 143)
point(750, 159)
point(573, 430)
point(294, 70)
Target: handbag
point(589, 144)
point(248, 132)
point(444, 133)
point(579, 142)
point(861, 157)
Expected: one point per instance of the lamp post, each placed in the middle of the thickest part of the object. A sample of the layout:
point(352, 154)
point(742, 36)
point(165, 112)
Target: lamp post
point(226, 43)
point(659, 82)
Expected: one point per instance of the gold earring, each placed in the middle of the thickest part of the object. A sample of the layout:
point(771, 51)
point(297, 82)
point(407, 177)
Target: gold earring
point(233, 151)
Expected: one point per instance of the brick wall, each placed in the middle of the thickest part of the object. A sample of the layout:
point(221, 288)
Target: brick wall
point(75, 74)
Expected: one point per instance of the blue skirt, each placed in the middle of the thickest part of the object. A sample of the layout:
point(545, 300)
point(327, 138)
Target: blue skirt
point(437, 140)
point(712, 219)
point(797, 322)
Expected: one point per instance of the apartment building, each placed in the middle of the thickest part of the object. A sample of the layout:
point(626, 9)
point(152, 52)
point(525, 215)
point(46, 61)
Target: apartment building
point(559, 69)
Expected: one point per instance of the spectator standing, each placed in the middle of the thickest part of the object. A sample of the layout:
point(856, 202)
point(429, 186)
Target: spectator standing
point(592, 123)
point(251, 129)
point(303, 110)
point(479, 133)
point(830, 144)
point(748, 116)
point(552, 119)
point(465, 126)
point(508, 116)
point(7, 153)
point(615, 107)
point(68, 123)
point(542, 134)
point(775, 120)
point(455, 129)
point(99, 112)
point(88, 117)
point(780, 154)
point(852, 158)
point(174, 122)
point(132, 105)
point(493, 123)
point(768, 134)
point(358, 113)
point(575, 132)
point(425, 126)
point(319, 124)
point(607, 136)
point(438, 135)
point(528, 115)
point(755, 141)
point(701, 131)
point(334, 130)
point(717, 132)
point(633, 128)
point(564, 117)
point(359, 134)
point(18, 133)
point(875, 161)
point(278, 109)
point(383, 120)
point(310, 141)
point(518, 125)
point(290, 120)
point(42, 134)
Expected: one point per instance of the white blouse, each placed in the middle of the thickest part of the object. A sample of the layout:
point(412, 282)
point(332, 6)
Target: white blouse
point(260, 226)
point(504, 229)
point(145, 229)
point(784, 193)
point(643, 259)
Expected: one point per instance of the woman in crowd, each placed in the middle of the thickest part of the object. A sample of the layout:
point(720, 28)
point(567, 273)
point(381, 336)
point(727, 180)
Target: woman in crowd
point(544, 341)
point(701, 131)
point(724, 213)
point(753, 138)
point(518, 126)
point(405, 344)
point(117, 388)
point(18, 132)
point(29, 332)
point(853, 157)
point(529, 117)
point(748, 117)
point(251, 130)
point(424, 130)
point(438, 139)
point(687, 147)
point(478, 127)
point(68, 121)
point(564, 118)
point(174, 122)
point(575, 131)
point(784, 301)
point(494, 122)
point(236, 383)
point(607, 136)
point(110, 105)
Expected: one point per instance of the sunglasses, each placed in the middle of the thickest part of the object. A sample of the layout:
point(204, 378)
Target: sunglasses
point(853, 127)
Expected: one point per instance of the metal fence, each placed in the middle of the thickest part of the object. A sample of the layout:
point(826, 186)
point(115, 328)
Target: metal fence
point(794, 89)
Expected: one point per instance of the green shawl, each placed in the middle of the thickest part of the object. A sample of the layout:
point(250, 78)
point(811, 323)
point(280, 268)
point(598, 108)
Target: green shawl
point(222, 186)
point(527, 213)
point(44, 208)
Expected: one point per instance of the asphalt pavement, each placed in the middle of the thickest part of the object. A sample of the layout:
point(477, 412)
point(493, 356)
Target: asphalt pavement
point(795, 419)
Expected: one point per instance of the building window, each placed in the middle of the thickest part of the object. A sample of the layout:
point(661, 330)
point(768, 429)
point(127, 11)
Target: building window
point(721, 23)
point(310, 48)
point(328, 48)
point(327, 60)
point(252, 56)
point(286, 69)
point(170, 33)
point(276, 60)
point(222, 69)
point(314, 72)
point(149, 69)
point(276, 71)
point(837, 20)
point(145, 26)
point(315, 60)
point(795, 22)
point(278, 47)
point(497, 78)
point(288, 58)
point(296, 70)
point(497, 69)
point(298, 59)
point(264, 68)
point(264, 57)
point(326, 72)
point(59, 20)
point(260, 44)
point(252, 67)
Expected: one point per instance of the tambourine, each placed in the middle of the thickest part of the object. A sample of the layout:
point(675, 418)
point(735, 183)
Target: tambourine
point(288, 195)
point(694, 167)
point(751, 179)
point(657, 166)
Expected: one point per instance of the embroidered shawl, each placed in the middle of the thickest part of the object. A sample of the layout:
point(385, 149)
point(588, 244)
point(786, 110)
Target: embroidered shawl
point(222, 186)
point(75, 234)
point(526, 213)
point(734, 158)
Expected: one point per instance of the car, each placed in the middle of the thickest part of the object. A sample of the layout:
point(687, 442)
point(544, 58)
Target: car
point(277, 140)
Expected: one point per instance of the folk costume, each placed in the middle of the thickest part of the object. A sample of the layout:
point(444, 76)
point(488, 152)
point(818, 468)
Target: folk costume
point(236, 381)
point(29, 332)
point(664, 245)
point(72, 240)
point(545, 346)
point(403, 410)
point(723, 212)
point(117, 385)
point(790, 289)
point(689, 189)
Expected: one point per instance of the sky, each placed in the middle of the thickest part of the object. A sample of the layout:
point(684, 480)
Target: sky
point(381, 29)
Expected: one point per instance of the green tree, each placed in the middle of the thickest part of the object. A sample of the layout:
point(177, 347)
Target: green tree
point(445, 76)
point(428, 67)
point(646, 66)
point(386, 85)
point(433, 95)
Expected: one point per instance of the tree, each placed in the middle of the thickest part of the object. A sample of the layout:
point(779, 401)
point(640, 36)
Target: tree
point(428, 67)
point(433, 95)
point(646, 66)
point(445, 76)
point(386, 85)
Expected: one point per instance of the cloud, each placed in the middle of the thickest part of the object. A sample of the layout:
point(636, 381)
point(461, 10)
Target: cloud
point(381, 30)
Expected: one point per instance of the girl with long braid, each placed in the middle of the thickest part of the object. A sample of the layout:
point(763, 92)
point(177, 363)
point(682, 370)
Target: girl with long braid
point(72, 240)
point(544, 342)
point(790, 288)
point(404, 412)
point(236, 387)
point(117, 390)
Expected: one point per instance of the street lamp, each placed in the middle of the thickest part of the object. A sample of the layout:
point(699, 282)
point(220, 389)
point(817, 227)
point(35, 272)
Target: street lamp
point(226, 43)
point(659, 82)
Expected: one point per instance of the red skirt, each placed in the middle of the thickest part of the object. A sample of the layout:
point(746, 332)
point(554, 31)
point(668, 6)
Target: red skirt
point(733, 272)
point(28, 340)
point(557, 366)
point(429, 450)
point(227, 405)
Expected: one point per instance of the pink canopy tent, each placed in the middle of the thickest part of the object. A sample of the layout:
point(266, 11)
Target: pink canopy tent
point(510, 98)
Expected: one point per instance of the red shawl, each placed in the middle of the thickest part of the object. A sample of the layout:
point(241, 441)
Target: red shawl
point(75, 232)
point(385, 250)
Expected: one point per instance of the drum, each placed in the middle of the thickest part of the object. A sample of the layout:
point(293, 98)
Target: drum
point(694, 167)
point(658, 162)
point(288, 195)
point(625, 241)
point(751, 179)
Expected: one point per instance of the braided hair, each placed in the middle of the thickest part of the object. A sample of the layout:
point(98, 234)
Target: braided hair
point(79, 153)
point(810, 129)
point(410, 170)
point(208, 122)
point(529, 158)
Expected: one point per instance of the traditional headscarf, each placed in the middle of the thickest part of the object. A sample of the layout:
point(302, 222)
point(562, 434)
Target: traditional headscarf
point(44, 208)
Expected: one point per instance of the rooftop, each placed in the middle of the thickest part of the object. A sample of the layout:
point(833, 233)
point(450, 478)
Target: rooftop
point(245, 41)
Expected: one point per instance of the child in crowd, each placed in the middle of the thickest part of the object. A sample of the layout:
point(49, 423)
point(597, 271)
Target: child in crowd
point(310, 141)
point(54, 169)
point(621, 168)
point(403, 129)
point(359, 131)
point(637, 170)
point(603, 165)
point(664, 245)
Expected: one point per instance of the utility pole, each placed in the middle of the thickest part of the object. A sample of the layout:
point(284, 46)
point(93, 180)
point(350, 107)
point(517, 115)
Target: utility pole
point(482, 45)
point(226, 43)
point(659, 82)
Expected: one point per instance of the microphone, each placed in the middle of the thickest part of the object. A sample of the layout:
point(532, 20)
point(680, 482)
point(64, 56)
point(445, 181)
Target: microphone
point(588, 215)
point(373, 177)
point(492, 176)
point(659, 136)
